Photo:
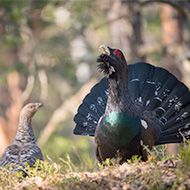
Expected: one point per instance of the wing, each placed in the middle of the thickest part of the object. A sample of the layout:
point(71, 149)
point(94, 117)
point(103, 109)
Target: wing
point(18, 155)
point(10, 155)
point(30, 154)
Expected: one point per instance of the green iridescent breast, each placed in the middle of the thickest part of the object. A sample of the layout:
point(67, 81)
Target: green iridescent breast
point(118, 128)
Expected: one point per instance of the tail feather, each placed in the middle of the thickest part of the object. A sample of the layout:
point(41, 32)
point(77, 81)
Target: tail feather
point(92, 108)
point(170, 130)
point(146, 95)
point(169, 99)
point(138, 70)
point(136, 77)
point(172, 138)
point(167, 86)
point(184, 114)
point(160, 75)
point(176, 136)
point(174, 96)
point(82, 130)
point(91, 116)
point(134, 90)
point(173, 110)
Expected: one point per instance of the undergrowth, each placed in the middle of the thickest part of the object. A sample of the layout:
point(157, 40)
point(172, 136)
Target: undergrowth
point(159, 172)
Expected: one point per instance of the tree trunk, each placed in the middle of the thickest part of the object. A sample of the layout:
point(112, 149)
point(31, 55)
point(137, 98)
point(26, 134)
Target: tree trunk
point(171, 38)
point(125, 28)
point(9, 126)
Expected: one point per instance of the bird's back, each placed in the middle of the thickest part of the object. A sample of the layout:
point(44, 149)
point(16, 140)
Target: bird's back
point(17, 154)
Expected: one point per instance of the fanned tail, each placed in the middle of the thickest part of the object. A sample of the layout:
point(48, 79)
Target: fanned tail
point(163, 100)
point(92, 108)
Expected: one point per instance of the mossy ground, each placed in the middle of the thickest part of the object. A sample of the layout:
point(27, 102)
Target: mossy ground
point(169, 173)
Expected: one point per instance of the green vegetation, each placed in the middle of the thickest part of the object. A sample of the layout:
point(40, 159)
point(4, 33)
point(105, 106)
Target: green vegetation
point(45, 42)
point(172, 173)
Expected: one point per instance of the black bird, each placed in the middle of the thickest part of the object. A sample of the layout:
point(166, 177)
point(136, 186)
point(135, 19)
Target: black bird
point(134, 105)
point(23, 148)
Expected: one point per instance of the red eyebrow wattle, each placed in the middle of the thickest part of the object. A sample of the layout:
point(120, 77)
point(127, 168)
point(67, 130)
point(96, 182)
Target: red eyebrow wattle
point(118, 53)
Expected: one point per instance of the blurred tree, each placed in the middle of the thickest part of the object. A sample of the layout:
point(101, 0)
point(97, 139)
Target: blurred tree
point(36, 63)
point(11, 102)
point(125, 27)
point(21, 28)
point(172, 38)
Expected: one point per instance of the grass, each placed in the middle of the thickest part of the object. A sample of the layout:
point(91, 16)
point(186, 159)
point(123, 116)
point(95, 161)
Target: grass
point(159, 172)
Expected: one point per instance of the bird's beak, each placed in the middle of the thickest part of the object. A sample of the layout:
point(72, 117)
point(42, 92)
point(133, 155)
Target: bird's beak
point(38, 105)
point(104, 49)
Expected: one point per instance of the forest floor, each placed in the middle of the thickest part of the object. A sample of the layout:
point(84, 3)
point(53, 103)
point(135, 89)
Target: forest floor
point(172, 173)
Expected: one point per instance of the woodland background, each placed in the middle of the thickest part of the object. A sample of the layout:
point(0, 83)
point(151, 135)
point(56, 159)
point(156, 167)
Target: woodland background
point(48, 51)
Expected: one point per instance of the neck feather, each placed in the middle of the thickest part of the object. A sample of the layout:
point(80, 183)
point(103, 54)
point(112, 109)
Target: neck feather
point(119, 98)
point(25, 133)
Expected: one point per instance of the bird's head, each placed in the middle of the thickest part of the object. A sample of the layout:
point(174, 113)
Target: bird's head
point(111, 60)
point(29, 110)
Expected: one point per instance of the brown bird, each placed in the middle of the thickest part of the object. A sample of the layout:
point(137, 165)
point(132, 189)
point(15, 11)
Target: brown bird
point(23, 148)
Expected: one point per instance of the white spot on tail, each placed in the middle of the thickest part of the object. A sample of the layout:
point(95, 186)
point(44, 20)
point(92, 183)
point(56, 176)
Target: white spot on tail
point(89, 117)
point(100, 101)
point(150, 82)
point(182, 117)
point(178, 106)
point(156, 93)
point(134, 80)
point(107, 92)
point(166, 92)
point(160, 108)
point(93, 107)
point(85, 124)
point(139, 99)
point(186, 133)
point(157, 98)
point(163, 120)
point(148, 102)
point(144, 123)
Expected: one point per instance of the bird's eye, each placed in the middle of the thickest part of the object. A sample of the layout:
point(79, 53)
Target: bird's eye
point(30, 107)
point(118, 53)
